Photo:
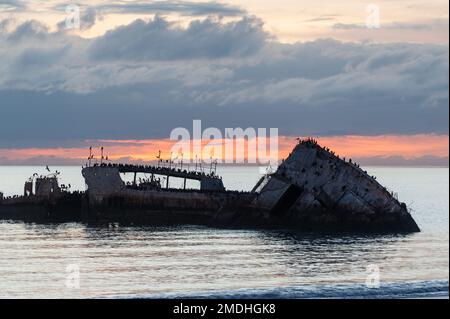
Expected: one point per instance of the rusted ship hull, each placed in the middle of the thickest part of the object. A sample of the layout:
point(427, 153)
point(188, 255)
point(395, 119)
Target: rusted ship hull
point(167, 208)
point(162, 207)
point(65, 208)
point(227, 209)
point(312, 190)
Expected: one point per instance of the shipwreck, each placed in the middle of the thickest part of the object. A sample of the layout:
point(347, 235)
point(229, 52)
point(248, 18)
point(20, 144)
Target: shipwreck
point(311, 190)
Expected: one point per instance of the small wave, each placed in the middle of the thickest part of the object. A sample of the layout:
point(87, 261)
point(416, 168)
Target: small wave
point(415, 289)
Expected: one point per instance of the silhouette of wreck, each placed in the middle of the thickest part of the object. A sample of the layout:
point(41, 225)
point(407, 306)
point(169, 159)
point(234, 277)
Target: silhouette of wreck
point(311, 190)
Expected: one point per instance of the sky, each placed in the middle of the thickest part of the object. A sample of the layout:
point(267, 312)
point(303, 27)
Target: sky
point(369, 79)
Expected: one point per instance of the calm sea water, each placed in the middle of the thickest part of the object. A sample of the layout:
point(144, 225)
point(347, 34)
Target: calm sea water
point(44, 260)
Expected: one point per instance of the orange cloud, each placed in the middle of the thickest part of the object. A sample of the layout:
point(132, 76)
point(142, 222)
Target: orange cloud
point(407, 146)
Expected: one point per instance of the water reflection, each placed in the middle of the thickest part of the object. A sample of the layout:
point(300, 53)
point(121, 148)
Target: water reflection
point(119, 260)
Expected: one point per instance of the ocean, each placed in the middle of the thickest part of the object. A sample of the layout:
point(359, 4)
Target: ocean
point(80, 261)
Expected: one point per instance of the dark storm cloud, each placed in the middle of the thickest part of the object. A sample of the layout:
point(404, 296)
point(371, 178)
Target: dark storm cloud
point(158, 39)
point(59, 87)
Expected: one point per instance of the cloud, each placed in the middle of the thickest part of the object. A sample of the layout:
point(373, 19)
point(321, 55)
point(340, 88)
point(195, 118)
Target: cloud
point(186, 8)
point(5, 25)
point(321, 18)
point(372, 150)
point(40, 161)
point(427, 25)
point(141, 80)
point(11, 5)
point(183, 8)
point(32, 29)
point(88, 18)
point(426, 160)
point(158, 39)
